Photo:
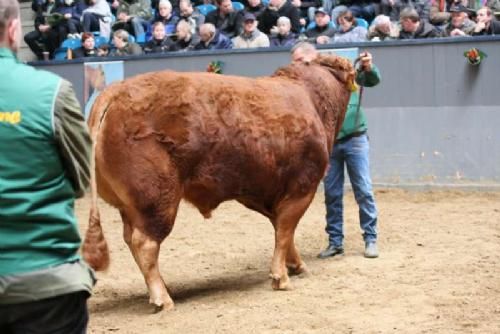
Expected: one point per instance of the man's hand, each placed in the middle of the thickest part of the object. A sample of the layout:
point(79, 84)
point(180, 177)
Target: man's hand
point(67, 16)
point(457, 32)
point(480, 25)
point(366, 61)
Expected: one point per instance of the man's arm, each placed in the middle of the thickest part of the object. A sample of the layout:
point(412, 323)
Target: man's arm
point(368, 74)
point(72, 137)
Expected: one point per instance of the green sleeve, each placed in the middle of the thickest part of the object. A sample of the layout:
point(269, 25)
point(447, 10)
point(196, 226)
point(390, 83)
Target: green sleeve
point(73, 138)
point(368, 78)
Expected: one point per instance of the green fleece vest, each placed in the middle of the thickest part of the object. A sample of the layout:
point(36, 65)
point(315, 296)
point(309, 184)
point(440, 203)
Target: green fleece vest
point(37, 223)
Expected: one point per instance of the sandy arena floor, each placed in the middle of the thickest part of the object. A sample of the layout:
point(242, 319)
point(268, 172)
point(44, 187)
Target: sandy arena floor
point(439, 272)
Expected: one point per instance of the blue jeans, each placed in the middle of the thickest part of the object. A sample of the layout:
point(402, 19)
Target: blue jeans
point(354, 153)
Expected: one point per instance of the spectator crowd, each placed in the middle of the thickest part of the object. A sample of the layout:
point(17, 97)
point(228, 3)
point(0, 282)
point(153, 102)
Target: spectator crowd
point(134, 27)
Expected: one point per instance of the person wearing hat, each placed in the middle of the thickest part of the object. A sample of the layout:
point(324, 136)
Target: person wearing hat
point(251, 37)
point(322, 30)
point(486, 24)
point(413, 27)
point(460, 24)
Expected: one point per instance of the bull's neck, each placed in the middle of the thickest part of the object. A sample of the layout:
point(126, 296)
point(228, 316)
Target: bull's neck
point(331, 108)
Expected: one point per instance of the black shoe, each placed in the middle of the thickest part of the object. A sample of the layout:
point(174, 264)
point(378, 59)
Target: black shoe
point(331, 250)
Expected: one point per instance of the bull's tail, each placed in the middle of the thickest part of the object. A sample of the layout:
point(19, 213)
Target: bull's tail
point(95, 249)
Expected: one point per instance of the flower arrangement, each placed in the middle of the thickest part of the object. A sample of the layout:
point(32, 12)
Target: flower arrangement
point(215, 67)
point(474, 56)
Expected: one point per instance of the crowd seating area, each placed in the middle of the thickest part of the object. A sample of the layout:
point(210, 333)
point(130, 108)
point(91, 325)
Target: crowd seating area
point(66, 29)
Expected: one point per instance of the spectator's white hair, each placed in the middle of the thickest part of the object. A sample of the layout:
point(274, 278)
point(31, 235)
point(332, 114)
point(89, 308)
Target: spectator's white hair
point(284, 19)
point(381, 19)
point(165, 3)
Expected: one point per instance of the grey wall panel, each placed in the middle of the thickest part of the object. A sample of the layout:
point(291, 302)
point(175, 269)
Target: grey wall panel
point(448, 145)
point(433, 119)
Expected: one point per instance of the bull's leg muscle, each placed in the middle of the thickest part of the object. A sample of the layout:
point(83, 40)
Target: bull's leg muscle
point(289, 212)
point(145, 251)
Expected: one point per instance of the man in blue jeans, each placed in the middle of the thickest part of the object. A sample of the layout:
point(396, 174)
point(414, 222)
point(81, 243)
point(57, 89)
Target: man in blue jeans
point(352, 150)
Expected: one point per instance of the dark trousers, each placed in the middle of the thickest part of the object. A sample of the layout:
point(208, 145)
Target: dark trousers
point(39, 42)
point(90, 22)
point(65, 314)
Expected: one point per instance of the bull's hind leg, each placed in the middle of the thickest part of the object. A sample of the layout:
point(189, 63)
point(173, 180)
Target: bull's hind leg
point(145, 250)
point(286, 256)
point(146, 225)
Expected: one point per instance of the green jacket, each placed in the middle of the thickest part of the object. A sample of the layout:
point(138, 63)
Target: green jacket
point(44, 165)
point(355, 120)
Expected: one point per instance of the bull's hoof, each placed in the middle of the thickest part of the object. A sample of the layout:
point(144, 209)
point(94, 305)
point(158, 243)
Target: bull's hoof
point(294, 270)
point(162, 306)
point(280, 282)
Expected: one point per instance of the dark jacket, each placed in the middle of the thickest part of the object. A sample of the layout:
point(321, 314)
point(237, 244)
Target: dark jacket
point(230, 25)
point(158, 46)
point(220, 41)
point(269, 18)
point(425, 30)
point(81, 52)
point(316, 31)
point(280, 40)
point(257, 11)
point(493, 29)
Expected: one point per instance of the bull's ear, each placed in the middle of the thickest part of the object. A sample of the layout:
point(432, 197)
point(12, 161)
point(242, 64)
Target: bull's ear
point(341, 68)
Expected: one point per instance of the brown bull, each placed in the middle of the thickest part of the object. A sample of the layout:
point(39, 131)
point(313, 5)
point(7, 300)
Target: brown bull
point(265, 142)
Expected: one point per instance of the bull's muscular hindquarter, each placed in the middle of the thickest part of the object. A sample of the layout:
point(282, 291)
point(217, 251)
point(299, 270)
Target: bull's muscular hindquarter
point(207, 138)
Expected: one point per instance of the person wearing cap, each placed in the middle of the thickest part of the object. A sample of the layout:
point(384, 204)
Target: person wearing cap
point(44, 166)
point(412, 27)
point(486, 24)
point(459, 25)
point(251, 37)
point(225, 19)
point(323, 30)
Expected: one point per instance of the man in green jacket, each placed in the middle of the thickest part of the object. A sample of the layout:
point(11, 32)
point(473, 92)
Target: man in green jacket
point(44, 165)
point(351, 150)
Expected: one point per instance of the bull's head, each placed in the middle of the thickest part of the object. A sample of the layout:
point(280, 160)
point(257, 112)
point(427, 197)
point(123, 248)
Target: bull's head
point(340, 67)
